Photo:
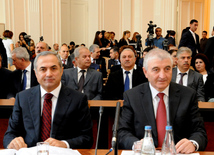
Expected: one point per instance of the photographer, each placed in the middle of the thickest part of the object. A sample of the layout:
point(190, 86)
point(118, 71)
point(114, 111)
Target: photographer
point(25, 41)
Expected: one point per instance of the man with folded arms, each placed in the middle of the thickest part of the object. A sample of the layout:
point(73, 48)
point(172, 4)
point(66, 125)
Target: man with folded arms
point(49, 112)
point(158, 103)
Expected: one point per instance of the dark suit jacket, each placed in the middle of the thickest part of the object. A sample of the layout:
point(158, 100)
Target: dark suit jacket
point(16, 81)
point(138, 111)
point(187, 40)
point(4, 82)
point(101, 61)
point(92, 86)
point(3, 54)
point(122, 42)
point(71, 122)
point(115, 84)
point(209, 49)
point(171, 41)
point(209, 87)
point(195, 81)
point(69, 63)
point(111, 63)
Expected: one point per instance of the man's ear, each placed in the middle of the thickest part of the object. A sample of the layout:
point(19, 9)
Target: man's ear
point(145, 71)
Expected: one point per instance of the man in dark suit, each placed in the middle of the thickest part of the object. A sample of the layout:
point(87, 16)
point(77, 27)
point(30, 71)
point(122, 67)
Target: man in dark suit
point(24, 71)
point(159, 103)
point(3, 54)
point(209, 49)
point(92, 83)
point(183, 75)
point(96, 59)
point(191, 39)
point(116, 83)
point(114, 54)
point(171, 38)
point(66, 60)
point(4, 80)
point(63, 120)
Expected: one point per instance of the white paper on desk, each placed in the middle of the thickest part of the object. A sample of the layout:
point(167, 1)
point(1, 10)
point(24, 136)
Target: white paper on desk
point(132, 153)
point(33, 151)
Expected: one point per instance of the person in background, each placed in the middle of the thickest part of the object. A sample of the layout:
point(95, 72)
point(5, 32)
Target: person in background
point(125, 39)
point(71, 47)
point(202, 65)
point(66, 59)
point(145, 51)
point(9, 45)
point(203, 41)
point(56, 47)
point(3, 54)
point(114, 54)
point(173, 54)
point(114, 42)
point(97, 38)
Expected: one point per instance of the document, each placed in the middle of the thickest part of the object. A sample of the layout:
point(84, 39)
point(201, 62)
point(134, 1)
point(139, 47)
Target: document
point(157, 153)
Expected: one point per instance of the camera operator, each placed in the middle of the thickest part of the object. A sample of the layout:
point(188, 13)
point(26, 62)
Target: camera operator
point(158, 40)
point(25, 41)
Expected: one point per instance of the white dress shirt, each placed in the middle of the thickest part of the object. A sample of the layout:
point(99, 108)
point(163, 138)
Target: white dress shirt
point(130, 77)
point(28, 76)
point(185, 77)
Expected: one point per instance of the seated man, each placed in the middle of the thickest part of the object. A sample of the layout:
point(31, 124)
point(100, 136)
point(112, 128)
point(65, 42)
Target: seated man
point(66, 59)
point(114, 54)
point(182, 74)
point(117, 80)
point(49, 112)
point(158, 103)
point(83, 78)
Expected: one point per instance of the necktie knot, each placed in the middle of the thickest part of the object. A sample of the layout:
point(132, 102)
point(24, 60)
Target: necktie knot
point(182, 74)
point(48, 96)
point(161, 95)
point(82, 71)
point(24, 71)
point(127, 72)
point(63, 60)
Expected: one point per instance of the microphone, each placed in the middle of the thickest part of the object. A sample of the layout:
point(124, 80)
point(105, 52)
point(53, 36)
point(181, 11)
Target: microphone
point(98, 130)
point(115, 127)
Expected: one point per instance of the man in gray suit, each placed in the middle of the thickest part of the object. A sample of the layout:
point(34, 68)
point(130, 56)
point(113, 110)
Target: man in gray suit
point(83, 78)
point(186, 76)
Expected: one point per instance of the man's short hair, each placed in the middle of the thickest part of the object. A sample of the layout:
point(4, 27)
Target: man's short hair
point(205, 32)
point(193, 21)
point(77, 51)
point(131, 48)
point(182, 50)
point(156, 53)
point(46, 47)
point(21, 52)
point(115, 49)
point(93, 47)
point(45, 53)
point(158, 28)
point(172, 32)
point(72, 43)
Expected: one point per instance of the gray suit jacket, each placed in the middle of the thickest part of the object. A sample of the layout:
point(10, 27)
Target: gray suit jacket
point(195, 81)
point(92, 86)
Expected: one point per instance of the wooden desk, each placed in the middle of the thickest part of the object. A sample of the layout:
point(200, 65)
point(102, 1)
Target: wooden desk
point(104, 103)
point(7, 102)
point(206, 105)
point(103, 152)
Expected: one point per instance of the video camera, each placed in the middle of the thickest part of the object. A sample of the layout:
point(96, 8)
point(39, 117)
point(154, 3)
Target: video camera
point(151, 33)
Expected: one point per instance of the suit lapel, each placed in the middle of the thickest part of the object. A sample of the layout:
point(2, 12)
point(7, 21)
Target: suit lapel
point(148, 108)
point(174, 98)
point(88, 76)
point(75, 75)
point(62, 106)
point(190, 78)
point(174, 74)
point(35, 108)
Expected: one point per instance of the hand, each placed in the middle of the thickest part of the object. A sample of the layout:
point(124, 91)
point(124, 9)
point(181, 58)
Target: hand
point(185, 146)
point(17, 143)
point(54, 142)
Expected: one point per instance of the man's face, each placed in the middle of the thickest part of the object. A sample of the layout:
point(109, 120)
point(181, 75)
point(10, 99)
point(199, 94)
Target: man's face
point(56, 47)
point(183, 61)
point(64, 52)
point(204, 35)
point(159, 73)
point(21, 37)
point(96, 53)
point(158, 32)
point(40, 47)
point(112, 54)
point(48, 72)
point(193, 26)
point(127, 59)
point(144, 54)
point(84, 59)
point(17, 62)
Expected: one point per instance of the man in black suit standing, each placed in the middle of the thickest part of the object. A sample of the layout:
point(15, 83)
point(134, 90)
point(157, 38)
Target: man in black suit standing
point(24, 76)
point(49, 112)
point(210, 48)
point(66, 60)
point(191, 39)
point(114, 54)
point(158, 103)
point(182, 74)
point(97, 59)
point(117, 80)
point(171, 38)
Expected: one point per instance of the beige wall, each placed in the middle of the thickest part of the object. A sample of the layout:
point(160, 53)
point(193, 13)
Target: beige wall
point(65, 20)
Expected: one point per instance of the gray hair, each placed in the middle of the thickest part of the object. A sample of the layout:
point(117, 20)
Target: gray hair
point(156, 53)
point(127, 49)
point(21, 52)
point(93, 47)
point(182, 50)
point(46, 53)
point(47, 47)
point(77, 51)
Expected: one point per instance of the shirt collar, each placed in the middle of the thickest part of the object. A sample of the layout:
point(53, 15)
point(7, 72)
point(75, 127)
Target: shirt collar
point(131, 71)
point(191, 32)
point(155, 92)
point(28, 68)
point(79, 69)
point(178, 71)
point(55, 92)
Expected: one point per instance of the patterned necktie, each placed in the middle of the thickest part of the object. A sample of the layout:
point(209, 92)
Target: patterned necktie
point(64, 61)
point(161, 121)
point(81, 81)
point(24, 81)
point(181, 80)
point(126, 86)
point(46, 117)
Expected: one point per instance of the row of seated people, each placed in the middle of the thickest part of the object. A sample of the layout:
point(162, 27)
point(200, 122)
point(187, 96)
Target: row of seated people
point(93, 86)
point(57, 114)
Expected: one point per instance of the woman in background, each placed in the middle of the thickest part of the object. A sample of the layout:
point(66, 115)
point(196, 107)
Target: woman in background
point(125, 39)
point(173, 54)
point(97, 38)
